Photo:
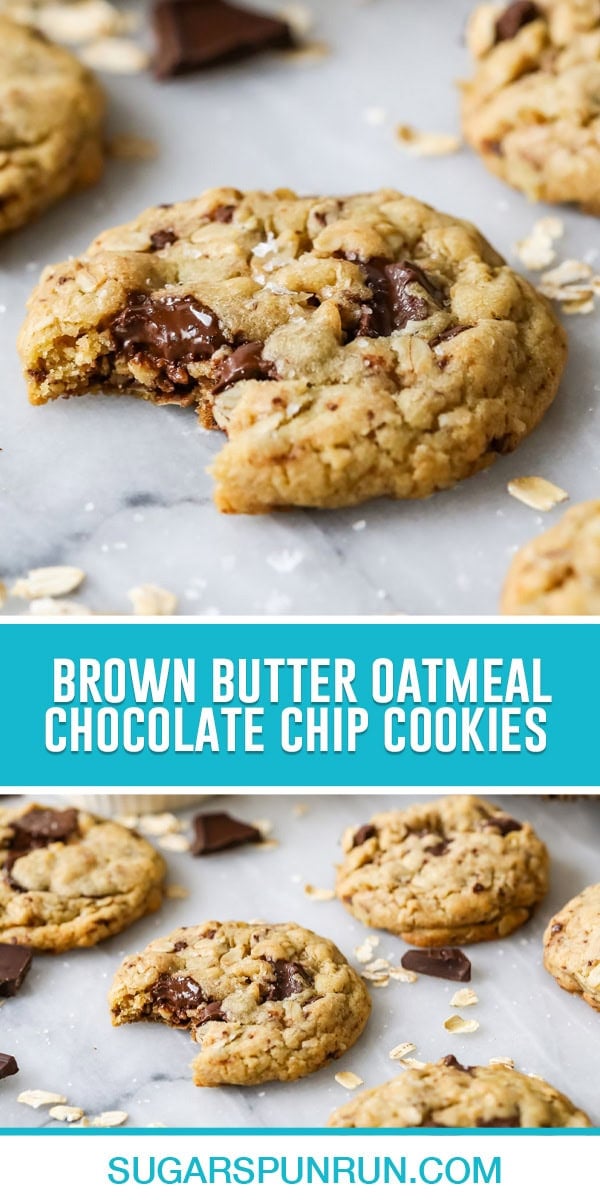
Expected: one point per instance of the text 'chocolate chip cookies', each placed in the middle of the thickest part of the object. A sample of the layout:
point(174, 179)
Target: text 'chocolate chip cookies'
point(532, 109)
point(263, 1002)
point(69, 879)
point(51, 116)
point(448, 1095)
point(455, 871)
point(350, 348)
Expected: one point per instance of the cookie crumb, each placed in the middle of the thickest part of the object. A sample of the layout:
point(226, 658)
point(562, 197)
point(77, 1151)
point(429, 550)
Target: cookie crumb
point(41, 582)
point(158, 824)
point(317, 893)
point(174, 891)
point(501, 1061)
point(364, 952)
point(348, 1079)
point(537, 492)
point(537, 251)
point(177, 842)
point(131, 146)
point(426, 145)
point(300, 810)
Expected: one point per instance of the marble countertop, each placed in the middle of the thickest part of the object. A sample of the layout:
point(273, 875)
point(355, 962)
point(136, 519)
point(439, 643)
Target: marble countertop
point(59, 1029)
point(120, 488)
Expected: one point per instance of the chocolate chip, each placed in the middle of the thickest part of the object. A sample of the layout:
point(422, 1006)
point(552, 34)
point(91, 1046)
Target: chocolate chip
point(556, 928)
point(8, 1065)
point(444, 962)
point(478, 887)
point(504, 825)
point(163, 237)
point(290, 978)
point(218, 831)
point(210, 1012)
point(451, 1061)
point(439, 848)
point(521, 13)
point(245, 363)
point(15, 962)
point(167, 330)
point(193, 34)
point(180, 946)
point(180, 995)
point(391, 305)
point(363, 834)
point(499, 1123)
point(452, 332)
point(38, 828)
point(223, 213)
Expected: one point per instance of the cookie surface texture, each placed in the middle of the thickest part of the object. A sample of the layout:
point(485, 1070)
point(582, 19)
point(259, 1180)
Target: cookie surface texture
point(572, 946)
point(446, 1094)
point(263, 1002)
point(51, 117)
point(69, 879)
point(350, 348)
point(454, 871)
point(532, 109)
point(558, 573)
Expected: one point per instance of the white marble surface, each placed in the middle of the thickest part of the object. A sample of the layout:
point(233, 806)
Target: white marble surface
point(58, 1025)
point(120, 488)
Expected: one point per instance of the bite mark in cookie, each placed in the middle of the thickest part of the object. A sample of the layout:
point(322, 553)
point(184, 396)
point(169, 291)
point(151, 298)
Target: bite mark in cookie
point(349, 347)
point(262, 1001)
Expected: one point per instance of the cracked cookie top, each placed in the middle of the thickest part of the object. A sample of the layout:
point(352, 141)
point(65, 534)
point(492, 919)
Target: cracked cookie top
point(51, 113)
point(572, 946)
point(447, 1095)
point(532, 108)
point(262, 1001)
point(454, 871)
point(69, 879)
point(350, 347)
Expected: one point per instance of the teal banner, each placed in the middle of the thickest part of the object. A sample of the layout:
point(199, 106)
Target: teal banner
point(206, 704)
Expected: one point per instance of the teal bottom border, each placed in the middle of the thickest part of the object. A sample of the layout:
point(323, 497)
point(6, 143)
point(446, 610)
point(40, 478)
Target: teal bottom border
point(296, 1132)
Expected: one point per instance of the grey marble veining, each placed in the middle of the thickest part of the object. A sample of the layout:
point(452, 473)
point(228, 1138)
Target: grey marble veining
point(120, 488)
point(59, 1029)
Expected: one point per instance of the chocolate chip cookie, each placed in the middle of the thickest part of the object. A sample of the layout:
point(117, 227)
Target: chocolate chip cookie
point(51, 116)
point(532, 109)
point(350, 348)
point(69, 879)
point(558, 573)
point(572, 946)
point(445, 873)
point(263, 1002)
point(447, 1095)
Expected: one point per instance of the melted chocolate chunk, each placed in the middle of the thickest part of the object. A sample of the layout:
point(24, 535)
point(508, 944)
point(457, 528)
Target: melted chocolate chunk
point(210, 1012)
point(163, 237)
point(363, 834)
point(556, 928)
point(245, 363)
point(40, 827)
point(8, 1065)
point(392, 305)
point(167, 329)
point(478, 887)
point(290, 978)
point(439, 848)
point(504, 825)
point(448, 334)
point(499, 1123)
point(521, 13)
point(15, 962)
point(451, 1061)
point(223, 213)
point(444, 962)
point(193, 34)
point(218, 831)
point(180, 995)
